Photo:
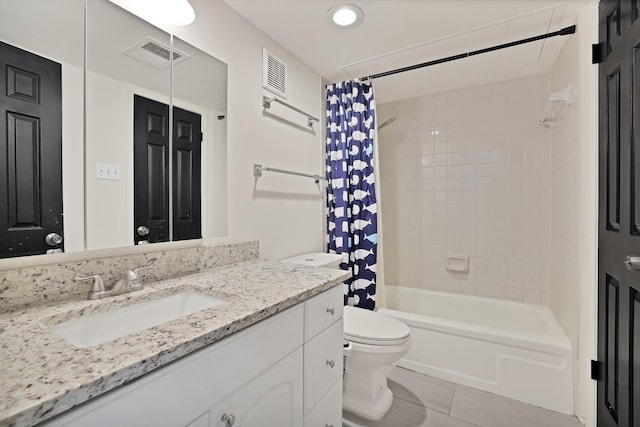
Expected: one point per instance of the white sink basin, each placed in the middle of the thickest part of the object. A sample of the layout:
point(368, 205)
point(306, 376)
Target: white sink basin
point(103, 327)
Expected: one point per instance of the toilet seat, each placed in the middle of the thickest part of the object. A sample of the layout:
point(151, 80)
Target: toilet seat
point(368, 327)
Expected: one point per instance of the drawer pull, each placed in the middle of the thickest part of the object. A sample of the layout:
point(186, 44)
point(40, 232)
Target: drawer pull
point(229, 419)
point(331, 311)
point(331, 363)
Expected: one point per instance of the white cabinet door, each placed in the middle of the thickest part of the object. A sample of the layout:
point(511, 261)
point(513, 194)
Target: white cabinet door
point(322, 364)
point(328, 412)
point(272, 399)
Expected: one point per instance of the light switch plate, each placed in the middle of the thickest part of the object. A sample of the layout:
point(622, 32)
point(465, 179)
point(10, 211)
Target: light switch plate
point(106, 171)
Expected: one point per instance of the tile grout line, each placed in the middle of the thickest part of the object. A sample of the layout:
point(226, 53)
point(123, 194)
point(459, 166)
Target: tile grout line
point(453, 396)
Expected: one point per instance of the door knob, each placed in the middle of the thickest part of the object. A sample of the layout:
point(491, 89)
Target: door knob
point(632, 262)
point(142, 231)
point(53, 239)
point(229, 419)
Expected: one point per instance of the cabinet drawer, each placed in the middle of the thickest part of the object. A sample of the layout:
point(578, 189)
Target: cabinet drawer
point(328, 412)
point(322, 310)
point(322, 364)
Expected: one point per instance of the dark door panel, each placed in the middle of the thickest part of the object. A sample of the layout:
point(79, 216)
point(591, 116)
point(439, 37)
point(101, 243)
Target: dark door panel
point(635, 353)
point(619, 215)
point(31, 152)
point(150, 177)
point(187, 138)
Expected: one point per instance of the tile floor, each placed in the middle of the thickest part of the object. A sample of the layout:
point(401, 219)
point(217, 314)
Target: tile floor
point(423, 401)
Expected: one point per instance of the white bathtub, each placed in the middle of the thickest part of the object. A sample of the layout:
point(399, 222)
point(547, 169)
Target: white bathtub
point(507, 348)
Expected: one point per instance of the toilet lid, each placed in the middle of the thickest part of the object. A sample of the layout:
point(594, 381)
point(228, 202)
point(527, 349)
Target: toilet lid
point(369, 327)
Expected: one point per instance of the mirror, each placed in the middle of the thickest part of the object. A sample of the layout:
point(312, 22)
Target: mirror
point(200, 85)
point(115, 73)
point(46, 32)
point(149, 188)
point(113, 79)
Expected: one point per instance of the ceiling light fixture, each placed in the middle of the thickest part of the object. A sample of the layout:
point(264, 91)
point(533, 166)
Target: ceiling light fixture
point(168, 12)
point(173, 12)
point(345, 15)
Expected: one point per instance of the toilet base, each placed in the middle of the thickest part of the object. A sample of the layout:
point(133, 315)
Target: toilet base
point(365, 392)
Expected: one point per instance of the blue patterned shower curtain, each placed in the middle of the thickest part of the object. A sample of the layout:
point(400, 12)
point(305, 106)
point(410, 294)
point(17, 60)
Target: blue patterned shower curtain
point(351, 196)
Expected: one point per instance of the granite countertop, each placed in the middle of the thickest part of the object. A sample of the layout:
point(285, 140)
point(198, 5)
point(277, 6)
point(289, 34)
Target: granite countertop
point(43, 375)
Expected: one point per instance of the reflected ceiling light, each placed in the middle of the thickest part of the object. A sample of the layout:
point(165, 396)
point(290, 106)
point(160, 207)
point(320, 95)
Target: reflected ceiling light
point(345, 15)
point(169, 12)
point(172, 12)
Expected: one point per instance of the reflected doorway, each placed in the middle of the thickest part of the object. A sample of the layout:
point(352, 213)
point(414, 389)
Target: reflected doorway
point(31, 154)
point(151, 172)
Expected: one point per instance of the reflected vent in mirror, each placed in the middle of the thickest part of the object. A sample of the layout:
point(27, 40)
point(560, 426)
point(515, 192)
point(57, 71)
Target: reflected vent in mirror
point(150, 51)
point(274, 74)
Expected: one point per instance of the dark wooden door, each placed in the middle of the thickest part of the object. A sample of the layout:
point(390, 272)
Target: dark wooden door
point(151, 175)
point(30, 153)
point(187, 139)
point(618, 399)
point(151, 170)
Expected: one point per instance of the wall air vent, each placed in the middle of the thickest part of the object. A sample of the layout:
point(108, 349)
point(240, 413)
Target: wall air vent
point(150, 51)
point(274, 74)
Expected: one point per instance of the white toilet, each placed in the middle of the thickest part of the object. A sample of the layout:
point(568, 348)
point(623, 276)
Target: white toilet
point(376, 341)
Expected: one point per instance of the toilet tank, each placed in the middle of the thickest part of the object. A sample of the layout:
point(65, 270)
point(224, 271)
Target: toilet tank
point(317, 260)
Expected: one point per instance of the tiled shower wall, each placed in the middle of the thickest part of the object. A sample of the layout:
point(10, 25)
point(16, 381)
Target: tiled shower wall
point(468, 173)
point(566, 192)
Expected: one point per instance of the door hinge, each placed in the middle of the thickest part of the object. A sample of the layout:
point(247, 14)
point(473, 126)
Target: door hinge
point(598, 53)
point(597, 370)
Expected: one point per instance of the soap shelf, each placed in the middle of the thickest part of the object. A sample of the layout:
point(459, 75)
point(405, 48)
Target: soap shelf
point(457, 262)
point(557, 101)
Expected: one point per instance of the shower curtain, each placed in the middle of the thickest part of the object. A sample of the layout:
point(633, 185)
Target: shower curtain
point(351, 197)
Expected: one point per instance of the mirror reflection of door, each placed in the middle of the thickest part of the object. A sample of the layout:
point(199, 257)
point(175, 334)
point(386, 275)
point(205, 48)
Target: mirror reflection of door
point(151, 172)
point(187, 140)
point(31, 154)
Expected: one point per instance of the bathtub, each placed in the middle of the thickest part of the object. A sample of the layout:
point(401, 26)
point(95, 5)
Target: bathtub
point(511, 349)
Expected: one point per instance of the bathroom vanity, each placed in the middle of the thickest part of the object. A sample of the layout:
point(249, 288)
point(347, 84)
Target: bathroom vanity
point(269, 354)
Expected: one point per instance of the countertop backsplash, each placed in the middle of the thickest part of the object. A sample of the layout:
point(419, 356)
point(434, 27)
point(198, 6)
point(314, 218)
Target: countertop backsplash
point(46, 284)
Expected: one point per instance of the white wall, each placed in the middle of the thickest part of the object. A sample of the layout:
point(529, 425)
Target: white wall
point(574, 205)
point(109, 141)
point(283, 212)
point(72, 158)
point(588, 242)
point(467, 172)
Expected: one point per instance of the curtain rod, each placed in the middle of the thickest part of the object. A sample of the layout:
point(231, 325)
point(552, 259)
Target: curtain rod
point(562, 32)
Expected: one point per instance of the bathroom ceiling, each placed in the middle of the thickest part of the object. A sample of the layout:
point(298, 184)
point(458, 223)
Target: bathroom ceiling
point(399, 33)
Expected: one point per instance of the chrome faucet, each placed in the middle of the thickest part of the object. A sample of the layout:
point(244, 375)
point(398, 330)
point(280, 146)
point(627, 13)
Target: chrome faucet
point(129, 282)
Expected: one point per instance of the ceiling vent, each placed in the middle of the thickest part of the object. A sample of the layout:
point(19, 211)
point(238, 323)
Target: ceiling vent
point(151, 52)
point(274, 74)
